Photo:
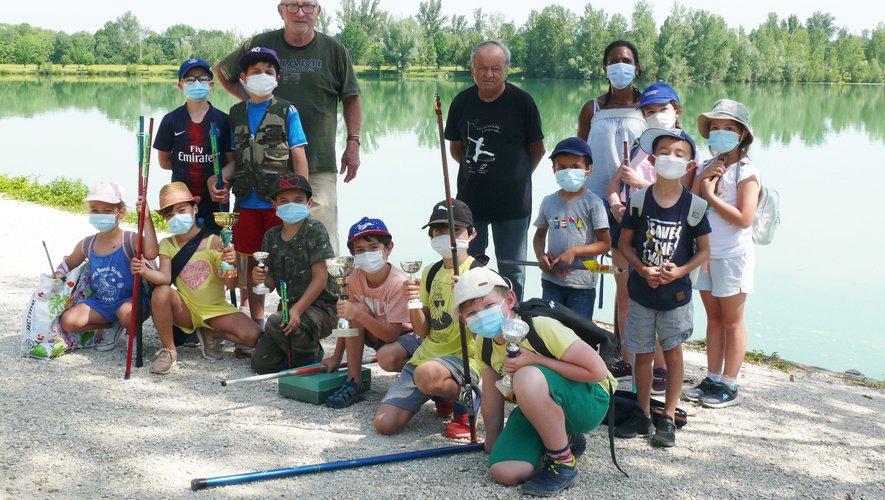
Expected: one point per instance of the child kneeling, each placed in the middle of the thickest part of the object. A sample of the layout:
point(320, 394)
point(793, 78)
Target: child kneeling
point(189, 259)
point(559, 397)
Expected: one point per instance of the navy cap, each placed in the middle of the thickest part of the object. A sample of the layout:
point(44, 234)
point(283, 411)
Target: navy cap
point(259, 54)
point(366, 227)
point(658, 93)
point(193, 63)
point(650, 136)
point(575, 146)
point(286, 182)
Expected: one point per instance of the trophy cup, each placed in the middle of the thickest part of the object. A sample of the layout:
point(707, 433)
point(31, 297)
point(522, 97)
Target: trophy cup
point(412, 267)
point(515, 331)
point(261, 288)
point(340, 268)
point(226, 220)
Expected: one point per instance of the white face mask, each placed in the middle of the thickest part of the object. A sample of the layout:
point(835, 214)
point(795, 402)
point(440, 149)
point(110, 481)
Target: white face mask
point(670, 167)
point(665, 119)
point(442, 245)
point(370, 262)
point(261, 85)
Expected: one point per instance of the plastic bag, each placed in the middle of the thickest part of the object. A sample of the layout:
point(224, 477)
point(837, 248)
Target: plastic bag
point(41, 334)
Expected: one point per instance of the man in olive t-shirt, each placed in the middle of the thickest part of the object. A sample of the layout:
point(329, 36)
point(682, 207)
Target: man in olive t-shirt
point(316, 73)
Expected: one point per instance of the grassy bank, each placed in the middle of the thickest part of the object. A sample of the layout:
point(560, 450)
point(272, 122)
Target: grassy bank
point(61, 193)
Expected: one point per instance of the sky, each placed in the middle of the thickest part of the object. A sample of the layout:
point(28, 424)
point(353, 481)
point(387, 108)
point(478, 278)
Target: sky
point(90, 15)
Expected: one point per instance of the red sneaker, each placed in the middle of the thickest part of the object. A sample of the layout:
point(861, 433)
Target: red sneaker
point(444, 408)
point(458, 428)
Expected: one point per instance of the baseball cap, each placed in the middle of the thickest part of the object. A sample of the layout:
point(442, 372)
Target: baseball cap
point(648, 138)
point(286, 182)
point(175, 192)
point(106, 191)
point(193, 63)
point(475, 283)
point(658, 93)
point(725, 109)
point(460, 212)
point(259, 54)
point(573, 145)
point(366, 227)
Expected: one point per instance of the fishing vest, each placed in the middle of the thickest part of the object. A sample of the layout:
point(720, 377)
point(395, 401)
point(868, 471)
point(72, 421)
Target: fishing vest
point(260, 158)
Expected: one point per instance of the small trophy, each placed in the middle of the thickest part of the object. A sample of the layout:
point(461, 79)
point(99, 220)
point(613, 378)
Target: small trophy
point(340, 268)
point(261, 288)
point(515, 331)
point(412, 267)
point(226, 220)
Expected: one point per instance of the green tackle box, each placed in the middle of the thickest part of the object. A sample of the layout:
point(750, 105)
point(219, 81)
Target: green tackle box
point(317, 387)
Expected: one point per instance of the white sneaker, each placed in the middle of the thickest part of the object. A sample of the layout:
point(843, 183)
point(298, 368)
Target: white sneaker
point(111, 334)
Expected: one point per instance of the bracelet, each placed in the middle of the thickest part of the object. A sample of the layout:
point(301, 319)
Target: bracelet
point(63, 267)
point(354, 138)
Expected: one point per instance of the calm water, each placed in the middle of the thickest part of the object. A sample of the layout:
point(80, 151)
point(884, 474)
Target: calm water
point(818, 286)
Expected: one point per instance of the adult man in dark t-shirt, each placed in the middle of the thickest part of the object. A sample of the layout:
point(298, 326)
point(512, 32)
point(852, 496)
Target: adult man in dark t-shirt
point(182, 140)
point(494, 129)
point(315, 73)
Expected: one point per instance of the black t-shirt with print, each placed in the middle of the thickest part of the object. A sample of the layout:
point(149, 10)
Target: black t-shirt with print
point(495, 177)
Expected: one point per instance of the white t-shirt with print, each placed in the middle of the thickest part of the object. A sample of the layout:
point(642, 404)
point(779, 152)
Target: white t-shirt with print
point(726, 239)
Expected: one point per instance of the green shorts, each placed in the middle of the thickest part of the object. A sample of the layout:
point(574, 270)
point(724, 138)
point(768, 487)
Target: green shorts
point(583, 403)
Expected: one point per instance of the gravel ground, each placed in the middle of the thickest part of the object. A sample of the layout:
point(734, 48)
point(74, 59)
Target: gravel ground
point(73, 428)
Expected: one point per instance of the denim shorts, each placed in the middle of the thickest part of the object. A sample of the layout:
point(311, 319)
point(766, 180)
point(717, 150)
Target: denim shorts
point(409, 341)
point(644, 325)
point(403, 393)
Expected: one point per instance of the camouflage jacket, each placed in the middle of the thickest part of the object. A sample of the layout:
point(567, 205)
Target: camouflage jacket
point(291, 260)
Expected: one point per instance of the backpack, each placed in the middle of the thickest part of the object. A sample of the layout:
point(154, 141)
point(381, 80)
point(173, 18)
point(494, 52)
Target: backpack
point(625, 404)
point(696, 210)
point(768, 213)
point(431, 273)
point(601, 340)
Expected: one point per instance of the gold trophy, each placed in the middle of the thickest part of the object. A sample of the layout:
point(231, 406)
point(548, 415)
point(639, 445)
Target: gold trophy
point(515, 331)
point(339, 268)
point(226, 220)
point(412, 267)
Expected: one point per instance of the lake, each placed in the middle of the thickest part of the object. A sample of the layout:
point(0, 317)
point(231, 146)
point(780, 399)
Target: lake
point(820, 146)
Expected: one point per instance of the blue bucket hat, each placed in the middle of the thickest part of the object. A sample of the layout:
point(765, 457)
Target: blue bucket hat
point(575, 146)
point(650, 136)
point(191, 64)
point(658, 93)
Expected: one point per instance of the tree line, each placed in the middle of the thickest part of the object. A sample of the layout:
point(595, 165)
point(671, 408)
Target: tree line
point(690, 45)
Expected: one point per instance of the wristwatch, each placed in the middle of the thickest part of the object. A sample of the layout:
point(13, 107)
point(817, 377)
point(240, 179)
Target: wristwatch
point(354, 138)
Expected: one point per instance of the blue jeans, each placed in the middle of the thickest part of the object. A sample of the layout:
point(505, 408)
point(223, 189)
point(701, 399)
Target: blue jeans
point(510, 238)
point(580, 300)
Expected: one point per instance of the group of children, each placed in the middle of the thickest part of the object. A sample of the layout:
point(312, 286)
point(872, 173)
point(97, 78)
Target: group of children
point(660, 227)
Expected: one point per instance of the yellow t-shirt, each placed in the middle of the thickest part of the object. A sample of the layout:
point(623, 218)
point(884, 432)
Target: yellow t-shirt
point(556, 336)
point(444, 338)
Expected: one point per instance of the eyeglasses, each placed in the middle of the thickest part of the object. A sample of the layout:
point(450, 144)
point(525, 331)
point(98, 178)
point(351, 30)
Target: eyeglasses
point(292, 8)
point(202, 79)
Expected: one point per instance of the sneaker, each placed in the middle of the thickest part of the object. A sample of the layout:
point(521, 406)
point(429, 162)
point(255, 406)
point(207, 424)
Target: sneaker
point(621, 370)
point(695, 393)
point(111, 334)
point(578, 443)
point(552, 479)
point(665, 433)
point(210, 347)
point(346, 395)
point(164, 361)
point(458, 428)
point(444, 408)
point(720, 397)
point(659, 381)
point(636, 424)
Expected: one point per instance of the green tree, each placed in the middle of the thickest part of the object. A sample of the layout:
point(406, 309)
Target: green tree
point(674, 44)
point(549, 41)
point(644, 34)
point(591, 40)
point(711, 47)
point(367, 14)
point(401, 43)
point(357, 41)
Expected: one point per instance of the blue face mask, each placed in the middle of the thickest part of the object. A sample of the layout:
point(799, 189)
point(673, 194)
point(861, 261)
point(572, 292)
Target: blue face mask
point(723, 141)
point(181, 223)
point(570, 179)
point(196, 91)
point(292, 213)
point(103, 222)
point(620, 75)
point(487, 323)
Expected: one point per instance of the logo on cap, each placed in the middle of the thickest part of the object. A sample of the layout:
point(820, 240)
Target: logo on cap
point(360, 227)
point(652, 92)
point(256, 49)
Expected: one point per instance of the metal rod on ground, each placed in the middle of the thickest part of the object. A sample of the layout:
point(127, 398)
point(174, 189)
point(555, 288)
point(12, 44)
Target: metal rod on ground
point(51, 269)
point(467, 396)
point(304, 370)
point(139, 328)
point(211, 482)
point(135, 291)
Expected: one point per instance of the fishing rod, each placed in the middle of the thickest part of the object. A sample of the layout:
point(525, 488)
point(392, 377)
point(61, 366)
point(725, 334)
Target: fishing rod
point(587, 265)
point(467, 395)
point(214, 132)
point(304, 370)
point(51, 268)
